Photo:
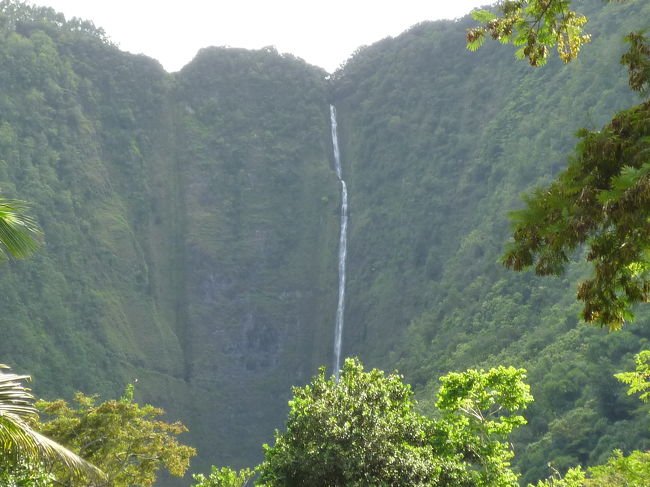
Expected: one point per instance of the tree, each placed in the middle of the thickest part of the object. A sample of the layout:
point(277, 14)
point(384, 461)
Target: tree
point(121, 437)
point(24, 474)
point(23, 448)
point(17, 230)
point(575, 477)
point(477, 409)
point(224, 477)
point(639, 379)
point(364, 430)
point(603, 197)
point(631, 470)
point(535, 25)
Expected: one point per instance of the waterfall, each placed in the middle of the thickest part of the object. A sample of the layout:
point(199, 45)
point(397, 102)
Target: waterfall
point(343, 242)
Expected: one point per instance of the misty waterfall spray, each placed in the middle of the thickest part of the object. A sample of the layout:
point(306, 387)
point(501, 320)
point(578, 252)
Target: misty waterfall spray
point(343, 242)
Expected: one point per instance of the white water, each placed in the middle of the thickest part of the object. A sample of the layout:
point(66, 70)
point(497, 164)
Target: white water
point(343, 243)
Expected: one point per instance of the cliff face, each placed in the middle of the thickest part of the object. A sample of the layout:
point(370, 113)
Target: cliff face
point(259, 236)
point(191, 225)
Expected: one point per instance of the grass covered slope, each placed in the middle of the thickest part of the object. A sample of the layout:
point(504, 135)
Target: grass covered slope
point(438, 143)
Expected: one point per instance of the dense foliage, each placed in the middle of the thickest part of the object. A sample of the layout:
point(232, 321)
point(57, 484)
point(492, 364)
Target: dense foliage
point(364, 430)
point(602, 198)
point(23, 450)
point(535, 25)
point(631, 470)
point(191, 222)
point(127, 441)
point(24, 473)
point(438, 143)
point(223, 477)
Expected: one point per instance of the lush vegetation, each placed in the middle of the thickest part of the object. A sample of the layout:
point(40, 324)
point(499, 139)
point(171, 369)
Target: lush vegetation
point(438, 143)
point(364, 430)
point(24, 448)
point(114, 444)
point(356, 430)
point(631, 470)
point(190, 228)
point(223, 477)
point(534, 26)
point(125, 440)
point(600, 197)
point(189, 223)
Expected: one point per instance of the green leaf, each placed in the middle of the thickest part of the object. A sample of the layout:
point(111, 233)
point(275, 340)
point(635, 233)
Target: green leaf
point(483, 16)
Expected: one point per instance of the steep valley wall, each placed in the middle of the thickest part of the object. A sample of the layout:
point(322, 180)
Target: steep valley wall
point(191, 226)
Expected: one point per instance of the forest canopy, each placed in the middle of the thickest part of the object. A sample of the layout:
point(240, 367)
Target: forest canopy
point(603, 198)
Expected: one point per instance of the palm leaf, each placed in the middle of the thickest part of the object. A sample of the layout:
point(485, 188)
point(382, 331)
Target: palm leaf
point(17, 230)
point(14, 397)
point(19, 439)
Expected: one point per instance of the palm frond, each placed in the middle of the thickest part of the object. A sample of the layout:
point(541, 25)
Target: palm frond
point(17, 230)
point(20, 439)
point(14, 397)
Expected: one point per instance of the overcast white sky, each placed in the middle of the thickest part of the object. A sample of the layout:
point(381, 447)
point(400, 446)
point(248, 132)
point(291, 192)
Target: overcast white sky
point(323, 33)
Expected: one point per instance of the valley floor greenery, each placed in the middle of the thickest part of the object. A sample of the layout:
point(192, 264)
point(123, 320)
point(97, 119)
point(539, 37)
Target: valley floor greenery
point(362, 430)
point(117, 443)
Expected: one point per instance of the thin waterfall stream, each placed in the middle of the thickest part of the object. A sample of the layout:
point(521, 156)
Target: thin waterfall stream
point(343, 242)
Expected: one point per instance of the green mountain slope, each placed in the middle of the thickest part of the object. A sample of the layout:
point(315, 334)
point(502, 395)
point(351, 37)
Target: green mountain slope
point(438, 144)
point(191, 224)
point(259, 238)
